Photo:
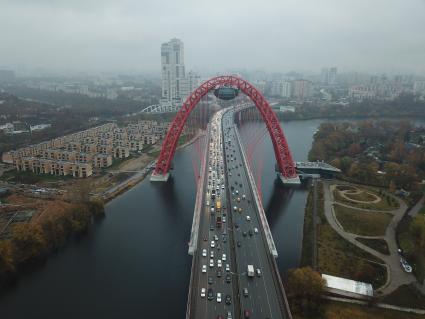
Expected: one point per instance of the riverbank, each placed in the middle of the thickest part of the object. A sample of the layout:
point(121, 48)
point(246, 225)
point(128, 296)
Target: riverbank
point(116, 190)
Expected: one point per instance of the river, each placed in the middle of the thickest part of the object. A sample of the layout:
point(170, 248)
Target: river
point(134, 263)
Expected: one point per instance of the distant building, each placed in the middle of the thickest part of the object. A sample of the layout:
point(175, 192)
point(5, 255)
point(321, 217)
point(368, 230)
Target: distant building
point(173, 74)
point(419, 87)
point(281, 89)
point(302, 89)
point(7, 75)
point(329, 75)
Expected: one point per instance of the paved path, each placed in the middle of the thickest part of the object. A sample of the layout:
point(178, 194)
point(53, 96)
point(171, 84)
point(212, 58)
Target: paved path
point(396, 275)
point(415, 209)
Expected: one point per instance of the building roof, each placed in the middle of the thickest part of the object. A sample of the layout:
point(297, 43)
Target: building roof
point(348, 285)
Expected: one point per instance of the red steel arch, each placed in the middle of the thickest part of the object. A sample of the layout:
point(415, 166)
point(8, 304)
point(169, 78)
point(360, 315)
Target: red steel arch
point(281, 148)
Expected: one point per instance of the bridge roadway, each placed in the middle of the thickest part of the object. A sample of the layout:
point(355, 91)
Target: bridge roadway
point(241, 238)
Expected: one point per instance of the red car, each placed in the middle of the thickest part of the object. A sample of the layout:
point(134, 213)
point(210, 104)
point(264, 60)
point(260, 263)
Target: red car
point(246, 314)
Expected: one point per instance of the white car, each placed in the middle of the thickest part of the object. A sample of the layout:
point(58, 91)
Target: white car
point(204, 268)
point(211, 254)
point(204, 253)
point(256, 230)
point(211, 263)
point(223, 258)
point(218, 297)
point(227, 267)
point(212, 244)
point(248, 218)
point(219, 264)
point(202, 292)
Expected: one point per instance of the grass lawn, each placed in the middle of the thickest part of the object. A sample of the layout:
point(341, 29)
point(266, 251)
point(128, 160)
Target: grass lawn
point(32, 178)
point(414, 255)
point(384, 204)
point(379, 245)
point(362, 223)
point(338, 257)
point(363, 196)
point(405, 296)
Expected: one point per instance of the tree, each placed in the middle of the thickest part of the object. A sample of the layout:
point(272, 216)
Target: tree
point(305, 288)
point(29, 241)
point(7, 263)
point(417, 229)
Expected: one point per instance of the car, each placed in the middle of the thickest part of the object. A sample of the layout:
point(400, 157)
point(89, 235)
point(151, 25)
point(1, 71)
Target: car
point(235, 208)
point(250, 232)
point(237, 192)
point(212, 254)
point(219, 263)
point(204, 268)
point(211, 263)
point(258, 271)
point(256, 230)
point(246, 314)
point(218, 296)
point(245, 292)
point(204, 253)
point(212, 244)
point(219, 273)
point(210, 294)
point(238, 244)
point(210, 280)
point(224, 220)
point(218, 247)
point(243, 196)
point(227, 267)
point(202, 292)
point(248, 218)
point(229, 315)
point(215, 237)
point(205, 238)
point(236, 225)
point(228, 278)
point(228, 300)
point(244, 233)
point(240, 210)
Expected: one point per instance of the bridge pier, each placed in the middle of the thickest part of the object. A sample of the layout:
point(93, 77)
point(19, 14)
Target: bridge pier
point(289, 181)
point(159, 177)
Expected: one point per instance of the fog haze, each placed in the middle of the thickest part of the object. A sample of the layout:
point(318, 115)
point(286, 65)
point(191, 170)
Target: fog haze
point(274, 35)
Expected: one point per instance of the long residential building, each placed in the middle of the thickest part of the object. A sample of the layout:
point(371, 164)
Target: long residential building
point(79, 154)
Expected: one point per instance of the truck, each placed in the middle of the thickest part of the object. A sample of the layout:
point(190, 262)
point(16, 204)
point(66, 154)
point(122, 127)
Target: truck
point(250, 271)
point(218, 207)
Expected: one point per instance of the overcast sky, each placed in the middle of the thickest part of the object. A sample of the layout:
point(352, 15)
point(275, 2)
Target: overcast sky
point(275, 35)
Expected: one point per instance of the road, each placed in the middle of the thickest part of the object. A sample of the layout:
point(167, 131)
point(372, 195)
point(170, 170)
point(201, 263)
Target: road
point(240, 237)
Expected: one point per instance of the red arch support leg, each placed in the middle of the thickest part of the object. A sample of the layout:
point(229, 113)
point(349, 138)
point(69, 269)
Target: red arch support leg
point(280, 145)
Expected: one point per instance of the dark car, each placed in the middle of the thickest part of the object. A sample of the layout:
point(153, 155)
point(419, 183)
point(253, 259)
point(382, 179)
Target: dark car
point(228, 300)
point(236, 225)
point(245, 292)
point(251, 232)
point(210, 294)
point(239, 244)
point(205, 238)
point(219, 273)
point(228, 278)
point(246, 314)
point(244, 233)
point(210, 280)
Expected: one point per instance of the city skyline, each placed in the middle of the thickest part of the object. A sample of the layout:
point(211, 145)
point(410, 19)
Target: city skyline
point(305, 36)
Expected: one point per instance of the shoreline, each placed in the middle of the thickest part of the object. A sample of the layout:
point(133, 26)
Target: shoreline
point(135, 179)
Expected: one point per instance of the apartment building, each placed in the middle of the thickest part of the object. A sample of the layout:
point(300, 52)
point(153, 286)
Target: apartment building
point(79, 153)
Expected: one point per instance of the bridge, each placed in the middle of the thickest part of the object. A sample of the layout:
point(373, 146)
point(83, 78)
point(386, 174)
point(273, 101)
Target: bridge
point(234, 272)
